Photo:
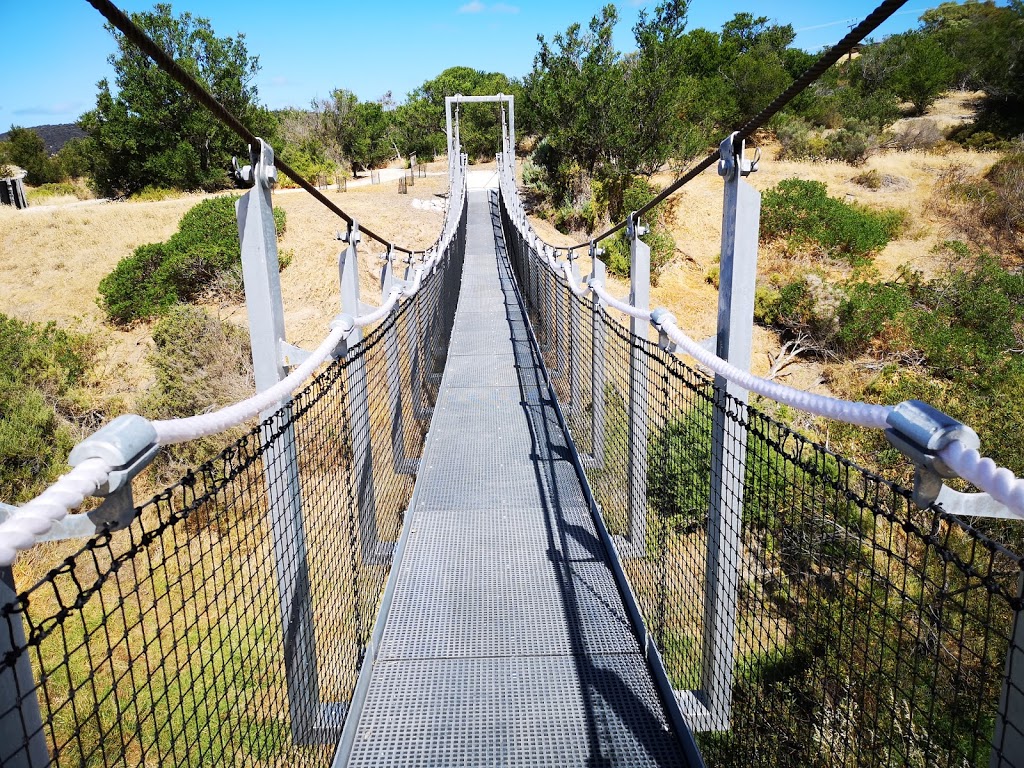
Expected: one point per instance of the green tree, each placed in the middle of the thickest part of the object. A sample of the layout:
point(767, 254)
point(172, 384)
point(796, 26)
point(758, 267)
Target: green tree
point(421, 124)
point(26, 148)
point(147, 132)
point(921, 69)
point(361, 129)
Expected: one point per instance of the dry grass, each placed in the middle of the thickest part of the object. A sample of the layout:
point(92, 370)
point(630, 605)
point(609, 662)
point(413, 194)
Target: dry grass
point(53, 258)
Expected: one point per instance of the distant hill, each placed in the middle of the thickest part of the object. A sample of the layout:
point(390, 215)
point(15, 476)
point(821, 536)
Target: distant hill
point(55, 136)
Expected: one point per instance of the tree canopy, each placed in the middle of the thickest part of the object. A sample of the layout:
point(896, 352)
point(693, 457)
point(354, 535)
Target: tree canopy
point(147, 132)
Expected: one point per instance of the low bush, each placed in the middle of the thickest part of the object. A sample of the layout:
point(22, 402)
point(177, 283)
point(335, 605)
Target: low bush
point(803, 215)
point(988, 209)
point(920, 133)
point(200, 363)
point(158, 275)
point(851, 144)
point(41, 372)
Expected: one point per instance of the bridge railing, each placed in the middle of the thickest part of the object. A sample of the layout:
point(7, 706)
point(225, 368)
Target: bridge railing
point(225, 620)
point(807, 611)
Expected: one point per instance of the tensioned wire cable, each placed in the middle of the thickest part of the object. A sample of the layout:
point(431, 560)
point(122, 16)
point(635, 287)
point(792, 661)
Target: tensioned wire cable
point(193, 88)
point(843, 47)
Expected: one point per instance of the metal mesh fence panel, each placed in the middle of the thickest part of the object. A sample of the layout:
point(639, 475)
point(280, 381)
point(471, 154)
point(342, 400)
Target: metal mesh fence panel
point(839, 624)
point(170, 642)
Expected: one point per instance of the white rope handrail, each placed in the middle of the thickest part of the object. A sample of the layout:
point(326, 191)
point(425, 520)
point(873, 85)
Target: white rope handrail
point(982, 472)
point(37, 516)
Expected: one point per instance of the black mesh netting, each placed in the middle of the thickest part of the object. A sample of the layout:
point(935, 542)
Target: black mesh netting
point(227, 623)
point(866, 631)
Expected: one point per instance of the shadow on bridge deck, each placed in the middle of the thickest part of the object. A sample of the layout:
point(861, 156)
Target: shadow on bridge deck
point(507, 641)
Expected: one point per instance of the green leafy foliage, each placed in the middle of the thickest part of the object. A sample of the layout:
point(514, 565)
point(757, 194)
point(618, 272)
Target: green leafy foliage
point(41, 367)
point(620, 203)
point(26, 149)
point(158, 275)
point(146, 132)
point(803, 215)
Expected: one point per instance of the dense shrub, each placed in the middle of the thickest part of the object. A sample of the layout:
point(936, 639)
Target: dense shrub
point(159, 275)
point(803, 215)
point(850, 144)
point(41, 368)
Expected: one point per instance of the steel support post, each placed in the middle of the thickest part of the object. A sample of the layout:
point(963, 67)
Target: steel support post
point(22, 740)
point(639, 297)
point(414, 341)
point(598, 353)
point(575, 342)
point(372, 548)
point(557, 336)
point(402, 464)
point(1008, 740)
point(740, 221)
point(261, 278)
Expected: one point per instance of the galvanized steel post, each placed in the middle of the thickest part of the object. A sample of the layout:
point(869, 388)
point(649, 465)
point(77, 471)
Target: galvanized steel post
point(740, 221)
point(261, 277)
point(639, 297)
point(22, 739)
point(575, 341)
point(1008, 740)
point(389, 282)
point(372, 548)
point(598, 352)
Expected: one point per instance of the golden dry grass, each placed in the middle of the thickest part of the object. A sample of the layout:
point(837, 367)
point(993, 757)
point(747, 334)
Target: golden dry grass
point(52, 260)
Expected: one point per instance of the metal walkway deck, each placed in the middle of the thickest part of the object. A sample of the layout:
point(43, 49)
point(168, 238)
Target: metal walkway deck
point(507, 641)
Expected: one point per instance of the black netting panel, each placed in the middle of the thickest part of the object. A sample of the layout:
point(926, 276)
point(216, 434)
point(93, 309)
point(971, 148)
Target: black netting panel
point(227, 623)
point(865, 631)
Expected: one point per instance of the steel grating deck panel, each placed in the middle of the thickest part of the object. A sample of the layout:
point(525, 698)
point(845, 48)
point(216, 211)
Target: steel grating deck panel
point(507, 642)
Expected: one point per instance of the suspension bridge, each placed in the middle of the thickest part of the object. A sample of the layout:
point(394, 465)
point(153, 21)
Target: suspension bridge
point(505, 517)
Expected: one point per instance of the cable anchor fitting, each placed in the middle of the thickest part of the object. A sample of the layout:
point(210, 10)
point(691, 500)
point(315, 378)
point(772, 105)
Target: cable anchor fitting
point(920, 432)
point(127, 444)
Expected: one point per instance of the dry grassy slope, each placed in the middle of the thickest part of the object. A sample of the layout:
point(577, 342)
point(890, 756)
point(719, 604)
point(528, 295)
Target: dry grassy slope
point(53, 258)
point(696, 227)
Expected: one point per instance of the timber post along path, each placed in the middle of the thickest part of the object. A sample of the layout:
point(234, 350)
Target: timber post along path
point(507, 640)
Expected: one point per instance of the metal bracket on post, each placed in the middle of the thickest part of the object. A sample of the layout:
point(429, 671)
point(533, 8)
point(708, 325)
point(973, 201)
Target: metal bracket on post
point(261, 277)
point(659, 318)
point(920, 432)
point(635, 544)
point(710, 708)
point(388, 284)
point(128, 444)
point(598, 352)
point(373, 549)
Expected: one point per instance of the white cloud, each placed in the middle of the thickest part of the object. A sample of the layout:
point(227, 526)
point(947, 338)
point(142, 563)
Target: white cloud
point(475, 6)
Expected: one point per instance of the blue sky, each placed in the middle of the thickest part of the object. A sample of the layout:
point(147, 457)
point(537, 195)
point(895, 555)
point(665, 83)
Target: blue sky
point(55, 51)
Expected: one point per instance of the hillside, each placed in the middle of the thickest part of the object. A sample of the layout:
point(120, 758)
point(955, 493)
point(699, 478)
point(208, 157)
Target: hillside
point(55, 136)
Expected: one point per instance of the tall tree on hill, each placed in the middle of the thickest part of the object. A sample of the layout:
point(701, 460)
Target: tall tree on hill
point(147, 132)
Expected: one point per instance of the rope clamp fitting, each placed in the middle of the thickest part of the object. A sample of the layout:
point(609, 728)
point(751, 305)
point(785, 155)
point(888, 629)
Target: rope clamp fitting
point(347, 324)
point(659, 318)
point(127, 444)
point(920, 432)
